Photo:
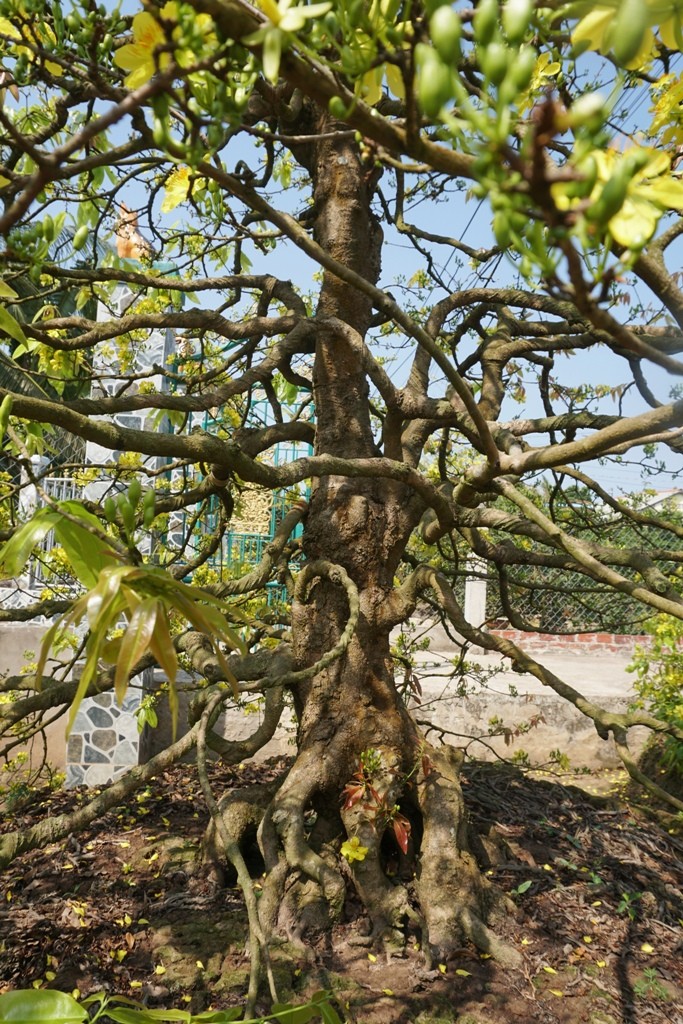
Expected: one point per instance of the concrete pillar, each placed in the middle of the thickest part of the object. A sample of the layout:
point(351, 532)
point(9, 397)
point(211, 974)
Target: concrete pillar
point(475, 591)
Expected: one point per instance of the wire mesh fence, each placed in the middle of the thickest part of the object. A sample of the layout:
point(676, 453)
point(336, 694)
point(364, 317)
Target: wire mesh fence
point(552, 599)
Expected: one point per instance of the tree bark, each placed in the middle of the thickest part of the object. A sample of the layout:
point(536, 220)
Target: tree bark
point(353, 708)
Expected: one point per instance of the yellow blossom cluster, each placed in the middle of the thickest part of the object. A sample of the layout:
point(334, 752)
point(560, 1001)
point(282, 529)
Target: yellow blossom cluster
point(667, 123)
point(151, 50)
point(650, 191)
point(595, 31)
point(31, 41)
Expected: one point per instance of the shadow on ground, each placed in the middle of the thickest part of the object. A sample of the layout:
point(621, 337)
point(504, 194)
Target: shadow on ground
point(597, 886)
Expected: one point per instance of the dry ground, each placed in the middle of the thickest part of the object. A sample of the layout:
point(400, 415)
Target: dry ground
point(124, 907)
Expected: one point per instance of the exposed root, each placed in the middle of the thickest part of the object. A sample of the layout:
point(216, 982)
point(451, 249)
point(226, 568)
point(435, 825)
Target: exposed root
point(242, 811)
point(387, 903)
point(284, 848)
point(258, 946)
point(452, 892)
point(486, 940)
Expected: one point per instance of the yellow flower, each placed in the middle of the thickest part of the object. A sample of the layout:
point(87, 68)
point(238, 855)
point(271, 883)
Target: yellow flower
point(288, 18)
point(142, 58)
point(651, 190)
point(668, 110)
point(203, 27)
point(35, 40)
point(352, 850)
point(544, 69)
point(177, 188)
point(671, 32)
point(369, 87)
point(595, 29)
point(8, 29)
point(275, 35)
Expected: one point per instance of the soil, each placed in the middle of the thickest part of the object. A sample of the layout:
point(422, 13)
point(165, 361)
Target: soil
point(126, 908)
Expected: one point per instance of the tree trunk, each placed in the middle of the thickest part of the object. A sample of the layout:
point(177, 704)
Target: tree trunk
point(351, 711)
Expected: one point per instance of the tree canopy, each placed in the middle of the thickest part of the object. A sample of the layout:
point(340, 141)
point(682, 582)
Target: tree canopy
point(285, 191)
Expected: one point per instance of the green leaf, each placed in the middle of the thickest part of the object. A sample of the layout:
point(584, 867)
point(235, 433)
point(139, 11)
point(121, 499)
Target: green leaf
point(94, 997)
point(87, 553)
point(107, 617)
point(168, 1015)
point(161, 646)
point(290, 393)
point(272, 52)
point(124, 1016)
point(219, 624)
point(219, 1016)
point(17, 550)
point(11, 326)
point(5, 410)
point(111, 650)
point(328, 1013)
point(288, 1013)
point(135, 642)
point(74, 615)
point(32, 1006)
point(102, 594)
point(6, 292)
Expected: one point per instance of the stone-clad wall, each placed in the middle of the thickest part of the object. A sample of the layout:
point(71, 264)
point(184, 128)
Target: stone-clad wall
point(104, 741)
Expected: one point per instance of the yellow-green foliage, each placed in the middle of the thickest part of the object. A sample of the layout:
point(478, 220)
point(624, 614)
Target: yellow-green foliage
point(658, 673)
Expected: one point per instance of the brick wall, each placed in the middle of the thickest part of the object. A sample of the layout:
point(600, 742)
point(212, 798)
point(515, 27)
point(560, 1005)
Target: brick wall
point(573, 643)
